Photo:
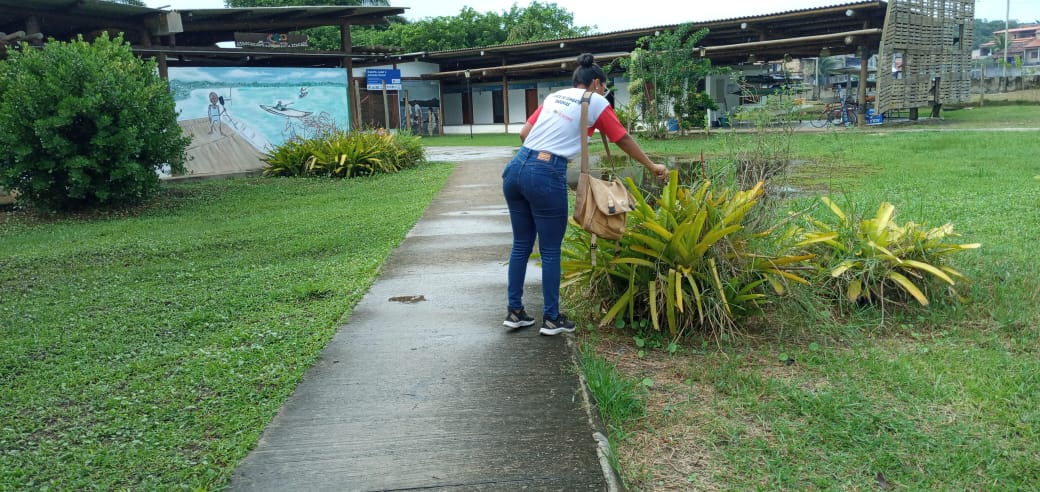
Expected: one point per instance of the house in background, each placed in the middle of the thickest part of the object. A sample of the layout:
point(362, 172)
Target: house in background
point(1023, 44)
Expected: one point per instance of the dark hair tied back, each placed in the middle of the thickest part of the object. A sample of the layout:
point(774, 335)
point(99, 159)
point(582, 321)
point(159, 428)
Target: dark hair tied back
point(587, 71)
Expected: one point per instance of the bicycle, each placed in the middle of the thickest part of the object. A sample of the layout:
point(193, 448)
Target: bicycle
point(843, 113)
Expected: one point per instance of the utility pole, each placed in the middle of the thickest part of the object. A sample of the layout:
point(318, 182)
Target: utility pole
point(1007, 15)
point(469, 90)
point(816, 76)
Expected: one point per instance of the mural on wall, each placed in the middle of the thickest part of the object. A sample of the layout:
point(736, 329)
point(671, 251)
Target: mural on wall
point(238, 114)
point(234, 115)
point(265, 105)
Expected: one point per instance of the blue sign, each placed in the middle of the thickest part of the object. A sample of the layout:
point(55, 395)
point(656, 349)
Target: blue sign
point(375, 77)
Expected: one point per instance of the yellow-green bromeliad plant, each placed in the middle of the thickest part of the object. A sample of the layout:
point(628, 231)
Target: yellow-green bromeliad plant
point(878, 260)
point(685, 262)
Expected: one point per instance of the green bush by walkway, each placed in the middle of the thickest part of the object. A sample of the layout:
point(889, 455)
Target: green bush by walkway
point(85, 125)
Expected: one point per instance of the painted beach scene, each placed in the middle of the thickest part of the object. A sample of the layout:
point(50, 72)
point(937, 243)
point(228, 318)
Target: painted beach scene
point(235, 115)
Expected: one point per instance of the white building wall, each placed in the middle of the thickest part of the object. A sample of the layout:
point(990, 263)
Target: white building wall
point(452, 109)
point(517, 106)
point(620, 89)
point(482, 109)
point(417, 69)
point(544, 89)
point(421, 89)
point(483, 115)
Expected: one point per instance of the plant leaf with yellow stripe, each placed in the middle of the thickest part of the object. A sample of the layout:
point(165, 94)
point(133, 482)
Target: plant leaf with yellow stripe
point(909, 286)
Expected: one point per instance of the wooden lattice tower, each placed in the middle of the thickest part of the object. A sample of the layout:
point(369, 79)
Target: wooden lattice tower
point(926, 43)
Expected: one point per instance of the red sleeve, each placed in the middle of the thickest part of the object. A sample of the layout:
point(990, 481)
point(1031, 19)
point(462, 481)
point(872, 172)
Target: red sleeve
point(534, 116)
point(609, 125)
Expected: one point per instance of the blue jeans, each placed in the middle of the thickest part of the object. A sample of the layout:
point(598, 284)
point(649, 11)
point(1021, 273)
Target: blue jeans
point(535, 186)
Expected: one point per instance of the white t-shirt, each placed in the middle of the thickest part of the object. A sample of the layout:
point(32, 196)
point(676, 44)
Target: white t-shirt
point(554, 126)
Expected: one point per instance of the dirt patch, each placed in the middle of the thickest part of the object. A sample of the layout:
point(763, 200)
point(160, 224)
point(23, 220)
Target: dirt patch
point(677, 445)
point(666, 450)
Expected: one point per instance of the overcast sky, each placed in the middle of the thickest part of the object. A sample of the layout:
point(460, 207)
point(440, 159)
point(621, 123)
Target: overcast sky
point(613, 15)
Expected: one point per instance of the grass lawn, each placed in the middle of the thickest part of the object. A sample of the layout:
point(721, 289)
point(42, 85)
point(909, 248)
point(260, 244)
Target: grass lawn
point(995, 115)
point(944, 398)
point(148, 350)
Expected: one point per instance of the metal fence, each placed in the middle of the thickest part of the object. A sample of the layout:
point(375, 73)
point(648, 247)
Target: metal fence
point(994, 69)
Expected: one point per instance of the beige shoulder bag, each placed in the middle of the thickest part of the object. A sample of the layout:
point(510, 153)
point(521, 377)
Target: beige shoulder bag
point(600, 205)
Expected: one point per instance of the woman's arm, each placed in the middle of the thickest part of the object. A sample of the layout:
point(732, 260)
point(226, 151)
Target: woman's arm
point(524, 131)
point(632, 148)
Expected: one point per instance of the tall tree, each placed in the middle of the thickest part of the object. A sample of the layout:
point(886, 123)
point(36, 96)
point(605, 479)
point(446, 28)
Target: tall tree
point(469, 28)
point(665, 72)
point(1000, 41)
point(540, 21)
point(319, 38)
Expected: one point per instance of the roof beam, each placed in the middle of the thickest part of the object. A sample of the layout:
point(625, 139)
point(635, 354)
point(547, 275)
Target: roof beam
point(560, 63)
point(248, 52)
point(775, 43)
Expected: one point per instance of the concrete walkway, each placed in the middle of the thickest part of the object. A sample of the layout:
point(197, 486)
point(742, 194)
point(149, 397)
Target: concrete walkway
point(423, 388)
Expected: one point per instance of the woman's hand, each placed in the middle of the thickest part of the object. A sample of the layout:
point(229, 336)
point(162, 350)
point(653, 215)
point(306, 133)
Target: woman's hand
point(660, 171)
point(629, 145)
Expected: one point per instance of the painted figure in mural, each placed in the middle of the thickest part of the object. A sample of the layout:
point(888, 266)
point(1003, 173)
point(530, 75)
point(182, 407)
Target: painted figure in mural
point(280, 106)
point(213, 111)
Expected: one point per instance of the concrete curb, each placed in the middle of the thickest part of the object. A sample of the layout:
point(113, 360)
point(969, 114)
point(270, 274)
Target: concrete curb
point(614, 482)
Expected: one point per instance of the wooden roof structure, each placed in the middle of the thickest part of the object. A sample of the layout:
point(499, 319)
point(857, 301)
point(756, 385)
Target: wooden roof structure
point(189, 37)
point(796, 33)
point(933, 35)
point(840, 29)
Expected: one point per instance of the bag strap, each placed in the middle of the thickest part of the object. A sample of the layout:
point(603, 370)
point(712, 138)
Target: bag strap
point(585, 98)
point(583, 136)
point(583, 127)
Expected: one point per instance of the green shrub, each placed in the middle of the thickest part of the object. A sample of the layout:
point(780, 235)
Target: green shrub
point(410, 150)
point(345, 154)
point(290, 158)
point(685, 262)
point(628, 115)
point(875, 260)
point(84, 125)
point(663, 72)
point(693, 109)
